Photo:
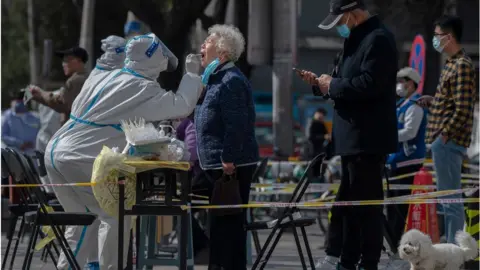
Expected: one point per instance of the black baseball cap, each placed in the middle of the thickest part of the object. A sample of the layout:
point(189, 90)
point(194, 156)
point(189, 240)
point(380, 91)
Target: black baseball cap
point(78, 52)
point(337, 9)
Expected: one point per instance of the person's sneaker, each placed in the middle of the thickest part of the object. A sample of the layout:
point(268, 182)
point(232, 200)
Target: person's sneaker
point(395, 263)
point(329, 263)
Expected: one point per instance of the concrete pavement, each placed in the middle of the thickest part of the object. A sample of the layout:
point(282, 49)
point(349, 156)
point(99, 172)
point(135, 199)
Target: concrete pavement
point(284, 257)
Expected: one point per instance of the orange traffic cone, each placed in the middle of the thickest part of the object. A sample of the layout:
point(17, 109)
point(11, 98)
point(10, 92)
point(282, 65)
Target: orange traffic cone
point(423, 217)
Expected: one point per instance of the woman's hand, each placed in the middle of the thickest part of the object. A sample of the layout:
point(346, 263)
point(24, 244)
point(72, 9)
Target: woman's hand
point(228, 168)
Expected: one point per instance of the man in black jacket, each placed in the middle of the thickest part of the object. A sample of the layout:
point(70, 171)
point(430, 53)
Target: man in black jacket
point(362, 87)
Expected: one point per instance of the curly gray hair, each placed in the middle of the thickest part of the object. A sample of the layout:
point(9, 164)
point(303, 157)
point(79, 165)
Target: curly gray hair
point(230, 40)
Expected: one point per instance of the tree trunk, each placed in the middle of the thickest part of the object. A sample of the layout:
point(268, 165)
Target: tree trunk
point(33, 43)
point(87, 31)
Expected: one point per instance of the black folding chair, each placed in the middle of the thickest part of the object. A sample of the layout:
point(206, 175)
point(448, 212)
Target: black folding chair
point(287, 220)
point(259, 172)
point(40, 216)
point(37, 166)
point(27, 203)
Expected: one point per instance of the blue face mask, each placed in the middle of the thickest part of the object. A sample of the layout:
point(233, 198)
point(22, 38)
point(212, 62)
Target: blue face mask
point(343, 29)
point(436, 42)
point(209, 70)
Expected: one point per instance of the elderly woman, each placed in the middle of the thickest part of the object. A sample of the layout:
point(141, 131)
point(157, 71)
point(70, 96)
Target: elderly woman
point(224, 122)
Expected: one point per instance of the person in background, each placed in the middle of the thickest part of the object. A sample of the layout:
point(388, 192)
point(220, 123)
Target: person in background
point(450, 121)
point(364, 129)
point(19, 126)
point(225, 123)
point(74, 60)
point(317, 135)
point(186, 132)
point(409, 158)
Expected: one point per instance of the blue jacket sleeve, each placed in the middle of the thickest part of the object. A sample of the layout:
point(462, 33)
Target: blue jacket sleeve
point(7, 137)
point(234, 110)
point(378, 61)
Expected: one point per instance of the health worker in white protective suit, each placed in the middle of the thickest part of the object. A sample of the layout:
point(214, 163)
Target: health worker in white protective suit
point(124, 94)
point(112, 58)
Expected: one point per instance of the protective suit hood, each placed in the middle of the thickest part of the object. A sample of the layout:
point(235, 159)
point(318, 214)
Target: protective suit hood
point(114, 53)
point(147, 56)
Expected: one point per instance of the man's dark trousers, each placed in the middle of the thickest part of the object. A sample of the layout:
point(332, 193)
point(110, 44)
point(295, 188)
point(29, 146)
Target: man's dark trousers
point(362, 226)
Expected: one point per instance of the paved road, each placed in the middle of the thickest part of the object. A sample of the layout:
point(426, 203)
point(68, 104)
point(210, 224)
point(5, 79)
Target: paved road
point(284, 257)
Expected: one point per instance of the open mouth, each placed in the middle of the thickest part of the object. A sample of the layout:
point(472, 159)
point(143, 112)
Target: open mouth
point(203, 55)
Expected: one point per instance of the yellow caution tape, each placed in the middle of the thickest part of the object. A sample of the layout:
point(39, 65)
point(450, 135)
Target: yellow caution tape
point(331, 204)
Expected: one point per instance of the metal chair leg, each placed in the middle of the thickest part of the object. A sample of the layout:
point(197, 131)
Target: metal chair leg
point(13, 224)
point(49, 252)
point(271, 249)
point(265, 246)
point(256, 241)
point(307, 247)
point(57, 252)
point(66, 248)
point(17, 241)
point(43, 256)
point(299, 247)
point(35, 238)
point(29, 252)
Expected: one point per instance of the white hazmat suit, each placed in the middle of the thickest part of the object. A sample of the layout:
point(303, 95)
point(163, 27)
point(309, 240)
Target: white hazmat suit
point(112, 58)
point(94, 122)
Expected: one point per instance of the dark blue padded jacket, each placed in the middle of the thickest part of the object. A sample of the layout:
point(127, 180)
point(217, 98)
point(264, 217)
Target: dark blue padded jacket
point(225, 120)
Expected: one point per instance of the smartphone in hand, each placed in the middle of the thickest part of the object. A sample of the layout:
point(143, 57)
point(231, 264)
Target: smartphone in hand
point(298, 71)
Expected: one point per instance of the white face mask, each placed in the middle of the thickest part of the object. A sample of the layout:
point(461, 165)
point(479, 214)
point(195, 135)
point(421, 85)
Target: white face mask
point(401, 90)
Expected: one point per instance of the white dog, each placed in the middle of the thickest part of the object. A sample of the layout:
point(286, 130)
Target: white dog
point(417, 248)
